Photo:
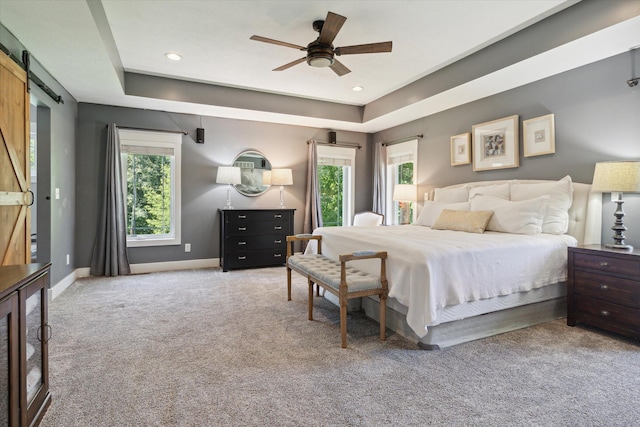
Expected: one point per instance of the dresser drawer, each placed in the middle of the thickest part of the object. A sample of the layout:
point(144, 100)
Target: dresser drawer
point(258, 227)
point(604, 314)
point(268, 241)
point(607, 264)
point(241, 217)
point(612, 289)
point(253, 258)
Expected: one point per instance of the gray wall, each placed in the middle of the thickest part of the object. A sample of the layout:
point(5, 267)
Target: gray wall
point(283, 145)
point(597, 118)
point(56, 167)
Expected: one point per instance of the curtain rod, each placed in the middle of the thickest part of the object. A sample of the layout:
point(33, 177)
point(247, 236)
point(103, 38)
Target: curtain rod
point(339, 144)
point(398, 141)
point(153, 130)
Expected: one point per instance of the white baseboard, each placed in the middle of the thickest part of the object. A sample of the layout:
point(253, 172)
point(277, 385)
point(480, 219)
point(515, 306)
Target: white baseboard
point(152, 267)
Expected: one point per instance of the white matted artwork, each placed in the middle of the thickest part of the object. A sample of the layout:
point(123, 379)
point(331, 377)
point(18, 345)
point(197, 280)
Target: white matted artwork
point(496, 144)
point(539, 136)
point(461, 149)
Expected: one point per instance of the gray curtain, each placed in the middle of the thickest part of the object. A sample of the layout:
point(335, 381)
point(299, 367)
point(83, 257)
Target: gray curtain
point(379, 178)
point(110, 247)
point(312, 209)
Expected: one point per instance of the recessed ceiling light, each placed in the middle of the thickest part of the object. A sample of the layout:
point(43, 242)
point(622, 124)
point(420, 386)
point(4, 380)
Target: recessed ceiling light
point(173, 56)
point(357, 88)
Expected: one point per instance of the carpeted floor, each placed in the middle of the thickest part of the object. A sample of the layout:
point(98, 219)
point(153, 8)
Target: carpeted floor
point(207, 348)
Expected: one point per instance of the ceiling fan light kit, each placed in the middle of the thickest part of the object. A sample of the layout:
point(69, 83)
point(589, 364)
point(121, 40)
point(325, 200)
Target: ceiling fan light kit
point(320, 52)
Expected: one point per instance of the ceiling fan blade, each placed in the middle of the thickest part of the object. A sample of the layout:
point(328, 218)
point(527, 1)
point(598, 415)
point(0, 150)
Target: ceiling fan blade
point(339, 68)
point(330, 28)
point(291, 64)
point(364, 48)
point(278, 42)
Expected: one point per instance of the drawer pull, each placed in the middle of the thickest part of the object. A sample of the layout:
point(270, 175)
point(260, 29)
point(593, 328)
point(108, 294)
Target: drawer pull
point(277, 227)
point(242, 228)
point(604, 287)
point(277, 241)
point(242, 216)
point(242, 243)
point(277, 255)
point(604, 313)
point(277, 216)
point(242, 257)
point(604, 264)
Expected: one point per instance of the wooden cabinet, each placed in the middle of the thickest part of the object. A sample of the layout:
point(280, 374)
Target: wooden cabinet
point(254, 237)
point(24, 335)
point(604, 289)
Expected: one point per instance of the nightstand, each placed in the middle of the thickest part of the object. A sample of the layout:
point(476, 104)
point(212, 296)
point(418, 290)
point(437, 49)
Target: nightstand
point(604, 289)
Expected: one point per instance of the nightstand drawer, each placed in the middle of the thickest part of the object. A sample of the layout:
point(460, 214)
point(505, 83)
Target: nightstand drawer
point(611, 289)
point(607, 264)
point(602, 314)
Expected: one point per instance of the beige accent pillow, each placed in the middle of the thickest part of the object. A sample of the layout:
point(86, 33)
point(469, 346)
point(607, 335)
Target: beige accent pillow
point(471, 222)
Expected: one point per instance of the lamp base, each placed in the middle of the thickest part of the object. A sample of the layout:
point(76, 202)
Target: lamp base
point(620, 247)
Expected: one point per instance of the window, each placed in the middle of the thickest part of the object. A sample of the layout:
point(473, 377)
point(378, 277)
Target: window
point(151, 173)
point(401, 169)
point(336, 172)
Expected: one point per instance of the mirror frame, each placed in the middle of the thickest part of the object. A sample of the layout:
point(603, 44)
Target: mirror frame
point(251, 185)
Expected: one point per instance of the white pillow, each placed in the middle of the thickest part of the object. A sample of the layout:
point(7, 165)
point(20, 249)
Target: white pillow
point(521, 217)
point(556, 216)
point(432, 210)
point(451, 195)
point(495, 190)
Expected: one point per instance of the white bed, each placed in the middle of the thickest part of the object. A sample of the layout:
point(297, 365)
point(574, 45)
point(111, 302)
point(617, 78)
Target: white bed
point(448, 287)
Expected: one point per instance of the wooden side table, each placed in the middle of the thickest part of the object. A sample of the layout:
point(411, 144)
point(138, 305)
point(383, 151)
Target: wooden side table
point(604, 289)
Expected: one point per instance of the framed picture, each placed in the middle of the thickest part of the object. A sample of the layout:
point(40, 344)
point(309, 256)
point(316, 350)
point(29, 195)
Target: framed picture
point(496, 144)
point(539, 136)
point(461, 149)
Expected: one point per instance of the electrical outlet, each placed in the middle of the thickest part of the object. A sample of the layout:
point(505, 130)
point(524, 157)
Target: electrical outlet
point(67, 259)
point(187, 247)
point(57, 193)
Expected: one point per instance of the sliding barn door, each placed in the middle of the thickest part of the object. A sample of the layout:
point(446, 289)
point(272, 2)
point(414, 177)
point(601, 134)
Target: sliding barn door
point(15, 197)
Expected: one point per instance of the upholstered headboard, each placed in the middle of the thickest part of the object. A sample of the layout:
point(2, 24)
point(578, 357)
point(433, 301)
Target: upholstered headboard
point(585, 213)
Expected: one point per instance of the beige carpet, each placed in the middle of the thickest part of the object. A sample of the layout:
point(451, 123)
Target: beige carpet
point(206, 348)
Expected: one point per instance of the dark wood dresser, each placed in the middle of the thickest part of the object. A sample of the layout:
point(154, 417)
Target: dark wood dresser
point(254, 237)
point(24, 336)
point(604, 289)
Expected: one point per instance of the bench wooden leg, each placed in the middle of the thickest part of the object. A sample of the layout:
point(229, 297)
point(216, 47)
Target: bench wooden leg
point(383, 314)
point(288, 284)
point(310, 298)
point(343, 322)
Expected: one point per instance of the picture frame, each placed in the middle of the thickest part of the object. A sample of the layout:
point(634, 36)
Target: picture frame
point(496, 144)
point(461, 149)
point(539, 136)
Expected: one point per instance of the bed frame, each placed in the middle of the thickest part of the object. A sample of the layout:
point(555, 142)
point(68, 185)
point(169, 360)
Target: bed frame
point(585, 223)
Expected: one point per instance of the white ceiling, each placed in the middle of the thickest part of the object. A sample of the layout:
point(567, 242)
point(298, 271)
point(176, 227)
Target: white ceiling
point(70, 40)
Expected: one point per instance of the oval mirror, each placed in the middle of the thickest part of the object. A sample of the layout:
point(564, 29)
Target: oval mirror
point(252, 164)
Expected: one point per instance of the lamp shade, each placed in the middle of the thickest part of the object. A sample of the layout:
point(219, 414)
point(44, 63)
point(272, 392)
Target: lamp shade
point(619, 176)
point(228, 175)
point(281, 177)
point(405, 193)
point(266, 177)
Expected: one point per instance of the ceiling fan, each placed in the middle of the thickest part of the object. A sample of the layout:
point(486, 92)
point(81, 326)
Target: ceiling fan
point(321, 53)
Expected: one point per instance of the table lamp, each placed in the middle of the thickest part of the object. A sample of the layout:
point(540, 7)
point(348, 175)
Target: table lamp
point(404, 193)
point(281, 177)
point(617, 177)
point(228, 175)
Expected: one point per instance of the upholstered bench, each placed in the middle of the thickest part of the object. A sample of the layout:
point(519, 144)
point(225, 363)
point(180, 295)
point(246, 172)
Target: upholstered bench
point(338, 278)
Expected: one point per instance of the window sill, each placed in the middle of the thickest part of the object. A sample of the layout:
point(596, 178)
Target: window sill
point(137, 243)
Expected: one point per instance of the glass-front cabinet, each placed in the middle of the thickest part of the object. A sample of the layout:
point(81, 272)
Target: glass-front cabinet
point(24, 336)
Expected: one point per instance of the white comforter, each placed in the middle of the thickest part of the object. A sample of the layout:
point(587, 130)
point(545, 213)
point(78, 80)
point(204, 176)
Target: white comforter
point(431, 269)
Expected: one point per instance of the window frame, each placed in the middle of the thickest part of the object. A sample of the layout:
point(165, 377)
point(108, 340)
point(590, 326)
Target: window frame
point(344, 154)
point(409, 151)
point(162, 140)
